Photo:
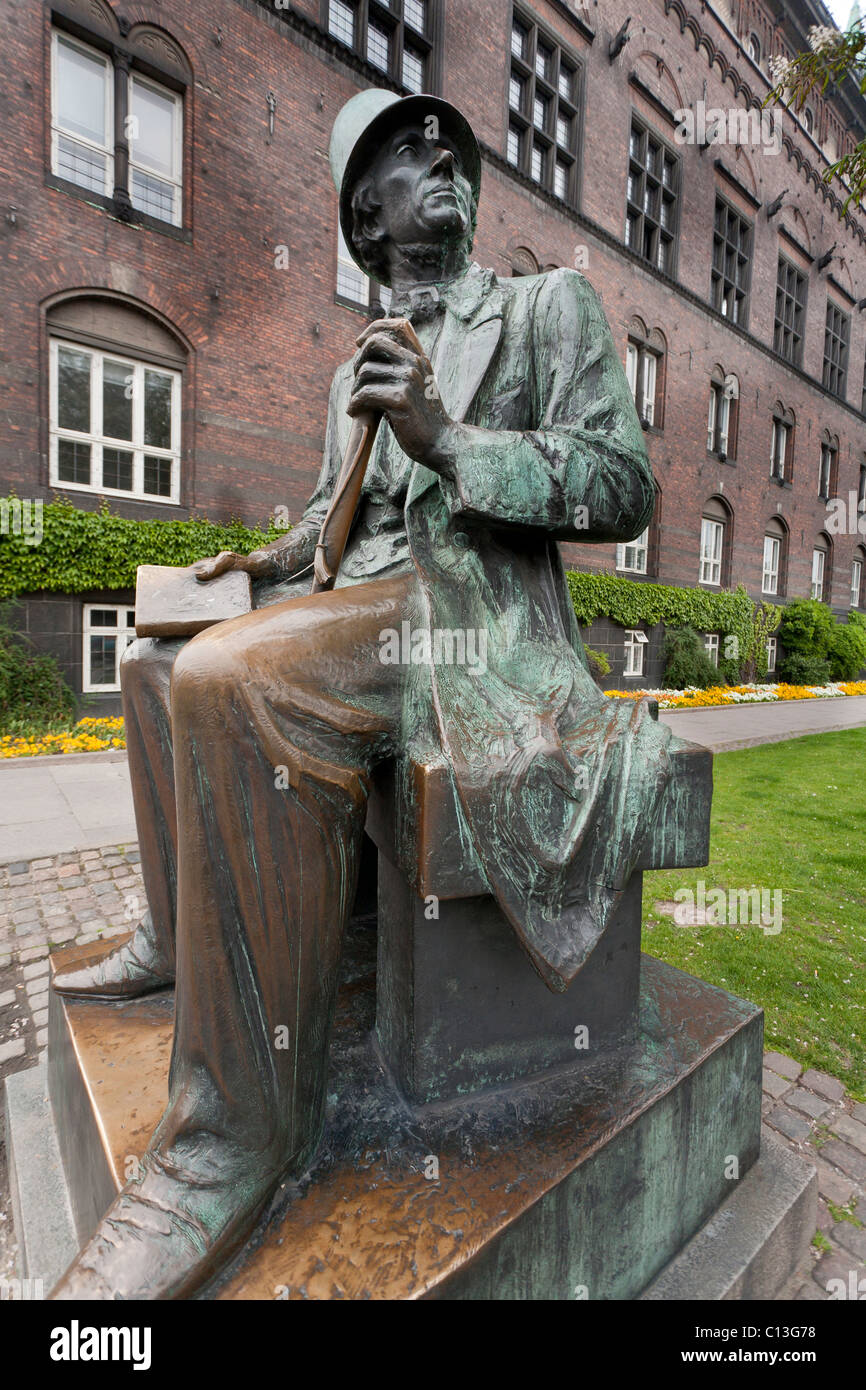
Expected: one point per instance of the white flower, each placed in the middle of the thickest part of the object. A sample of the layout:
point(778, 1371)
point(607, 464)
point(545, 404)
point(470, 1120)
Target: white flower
point(780, 70)
point(822, 39)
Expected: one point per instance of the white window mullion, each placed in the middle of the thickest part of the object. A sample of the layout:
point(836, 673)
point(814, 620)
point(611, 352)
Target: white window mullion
point(138, 428)
point(96, 421)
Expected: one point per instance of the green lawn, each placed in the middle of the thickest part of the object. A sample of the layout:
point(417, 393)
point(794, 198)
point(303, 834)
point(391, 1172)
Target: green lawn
point(788, 816)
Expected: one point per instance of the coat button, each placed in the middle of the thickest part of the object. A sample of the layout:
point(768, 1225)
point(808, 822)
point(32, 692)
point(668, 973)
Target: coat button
point(461, 540)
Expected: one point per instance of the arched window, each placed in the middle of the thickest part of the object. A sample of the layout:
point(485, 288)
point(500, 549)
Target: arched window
point(716, 528)
point(775, 561)
point(782, 445)
point(645, 370)
point(523, 262)
point(828, 467)
point(115, 399)
point(808, 120)
point(755, 48)
point(822, 569)
point(723, 414)
point(640, 556)
point(858, 570)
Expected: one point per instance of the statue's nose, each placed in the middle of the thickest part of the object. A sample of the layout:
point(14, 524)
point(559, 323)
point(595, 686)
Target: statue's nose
point(443, 163)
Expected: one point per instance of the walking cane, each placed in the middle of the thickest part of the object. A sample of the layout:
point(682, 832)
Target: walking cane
point(334, 534)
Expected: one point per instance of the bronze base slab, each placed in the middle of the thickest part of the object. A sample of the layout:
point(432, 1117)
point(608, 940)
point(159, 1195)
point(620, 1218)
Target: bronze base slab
point(581, 1182)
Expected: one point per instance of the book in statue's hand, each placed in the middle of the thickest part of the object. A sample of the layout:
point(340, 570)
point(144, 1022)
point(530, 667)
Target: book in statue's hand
point(171, 602)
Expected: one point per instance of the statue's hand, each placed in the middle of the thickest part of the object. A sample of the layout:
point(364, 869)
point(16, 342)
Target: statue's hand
point(259, 564)
point(393, 377)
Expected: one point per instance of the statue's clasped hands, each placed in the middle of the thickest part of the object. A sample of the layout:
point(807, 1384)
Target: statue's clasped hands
point(394, 376)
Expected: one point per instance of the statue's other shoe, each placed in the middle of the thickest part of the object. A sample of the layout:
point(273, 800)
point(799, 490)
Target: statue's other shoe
point(152, 1244)
point(137, 966)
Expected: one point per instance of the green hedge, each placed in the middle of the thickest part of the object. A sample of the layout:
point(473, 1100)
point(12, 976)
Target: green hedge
point(98, 550)
point(84, 550)
point(629, 603)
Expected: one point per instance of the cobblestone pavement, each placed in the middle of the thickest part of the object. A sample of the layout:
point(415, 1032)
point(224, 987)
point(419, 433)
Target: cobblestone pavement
point(98, 893)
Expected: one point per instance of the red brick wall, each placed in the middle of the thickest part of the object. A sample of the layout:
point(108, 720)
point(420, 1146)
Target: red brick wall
point(262, 351)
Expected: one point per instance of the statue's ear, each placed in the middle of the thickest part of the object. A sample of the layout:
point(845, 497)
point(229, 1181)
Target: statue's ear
point(370, 224)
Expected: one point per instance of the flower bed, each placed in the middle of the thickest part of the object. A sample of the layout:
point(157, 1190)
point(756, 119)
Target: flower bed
point(693, 698)
point(87, 736)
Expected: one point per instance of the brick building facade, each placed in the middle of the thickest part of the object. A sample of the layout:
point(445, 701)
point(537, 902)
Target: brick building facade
point(175, 299)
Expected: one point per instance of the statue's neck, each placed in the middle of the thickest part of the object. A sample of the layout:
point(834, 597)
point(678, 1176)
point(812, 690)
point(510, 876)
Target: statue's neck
point(426, 264)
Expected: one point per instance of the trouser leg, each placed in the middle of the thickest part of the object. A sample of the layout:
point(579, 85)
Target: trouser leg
point(278, 719)
point(146, 961)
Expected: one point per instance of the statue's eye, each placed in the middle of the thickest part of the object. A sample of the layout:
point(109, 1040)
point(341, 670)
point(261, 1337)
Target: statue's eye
point(406, 145)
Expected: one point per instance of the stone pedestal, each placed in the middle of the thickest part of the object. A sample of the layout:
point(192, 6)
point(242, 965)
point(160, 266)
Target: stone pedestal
point(588, 1183)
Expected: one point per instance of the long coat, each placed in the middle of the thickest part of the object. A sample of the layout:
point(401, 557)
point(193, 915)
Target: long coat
point(558, 786)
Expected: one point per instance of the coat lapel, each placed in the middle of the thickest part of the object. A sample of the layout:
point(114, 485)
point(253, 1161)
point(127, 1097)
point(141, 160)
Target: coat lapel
point(463, 354)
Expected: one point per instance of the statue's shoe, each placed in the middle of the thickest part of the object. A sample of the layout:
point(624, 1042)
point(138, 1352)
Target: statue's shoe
point(152, 1245)
point(138, 966)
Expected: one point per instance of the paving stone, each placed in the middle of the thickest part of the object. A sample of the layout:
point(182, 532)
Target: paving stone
point(810, 1293)
point(37, 967)
point(5, 959)
point(16, 1048)
point(824, 1219)
point(65, 859)
point(808, 1102)
point(846, 1158)
point(20, 867)
point(68, 868)
point(90, 854)
point(133, 856)
point(859, 1112)
point(8, 997)
point(77, 895)
point(851, 1130)
point(40, 1018)
point(836, 1187)
point(42, 1037)
point(38, 1001)
point(822, 1083)
point(774, 1085)
point(63, 934)
point(838, 1265)
point(41, 863)
point(30, 953)
point(75, 881)
point(852, 1237)
point(788, 1123)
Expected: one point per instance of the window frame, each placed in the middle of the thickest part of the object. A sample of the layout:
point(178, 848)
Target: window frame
point(795, 331)
point(117, 194)
point(521, 126)
point(121, 629)
point(711, 647)
point(402, 35)
point(176, 178)
point(707, 558)
point(99, 441)
point(818, 583)
point(772, 654)
point(637, 209)
point(61, 37)
point(718, 278)
point(837, 348)
point(828, 468)
point(648, 363)
point(635, 643)
point(640, 547)
point(856, 592)
point(770, 570)
point(374, 291)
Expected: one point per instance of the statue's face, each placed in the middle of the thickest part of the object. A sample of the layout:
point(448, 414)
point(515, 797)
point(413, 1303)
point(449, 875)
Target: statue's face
point(423, 189)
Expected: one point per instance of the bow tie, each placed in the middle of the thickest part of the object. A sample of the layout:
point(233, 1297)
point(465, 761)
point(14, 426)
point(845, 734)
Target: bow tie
point(420, 304)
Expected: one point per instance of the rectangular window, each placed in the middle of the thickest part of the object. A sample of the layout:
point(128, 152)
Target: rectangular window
point(711, 646)
point(861, 489)
point(632, 556)
point(114, 424)
point(393, 38)
point(641, 369)
point(82, 115)
point(83, 134)
point(542, 100)
point(790, 312)
point(652, 199)
point(155, 150)
point(827, 471)
point(732, 258)
point(712, 540)
point(772, 556)
point(817, 587)
point(856, 580)
point(779, 450)
point(772, 650)
point(635, 643)
point(352, 283)
point(107, 634)
point(836, 332)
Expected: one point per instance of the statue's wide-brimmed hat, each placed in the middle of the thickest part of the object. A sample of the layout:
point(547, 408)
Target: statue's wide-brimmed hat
point(365, 122)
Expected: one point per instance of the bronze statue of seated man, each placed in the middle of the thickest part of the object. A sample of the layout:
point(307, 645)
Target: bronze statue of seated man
point(253, 745)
